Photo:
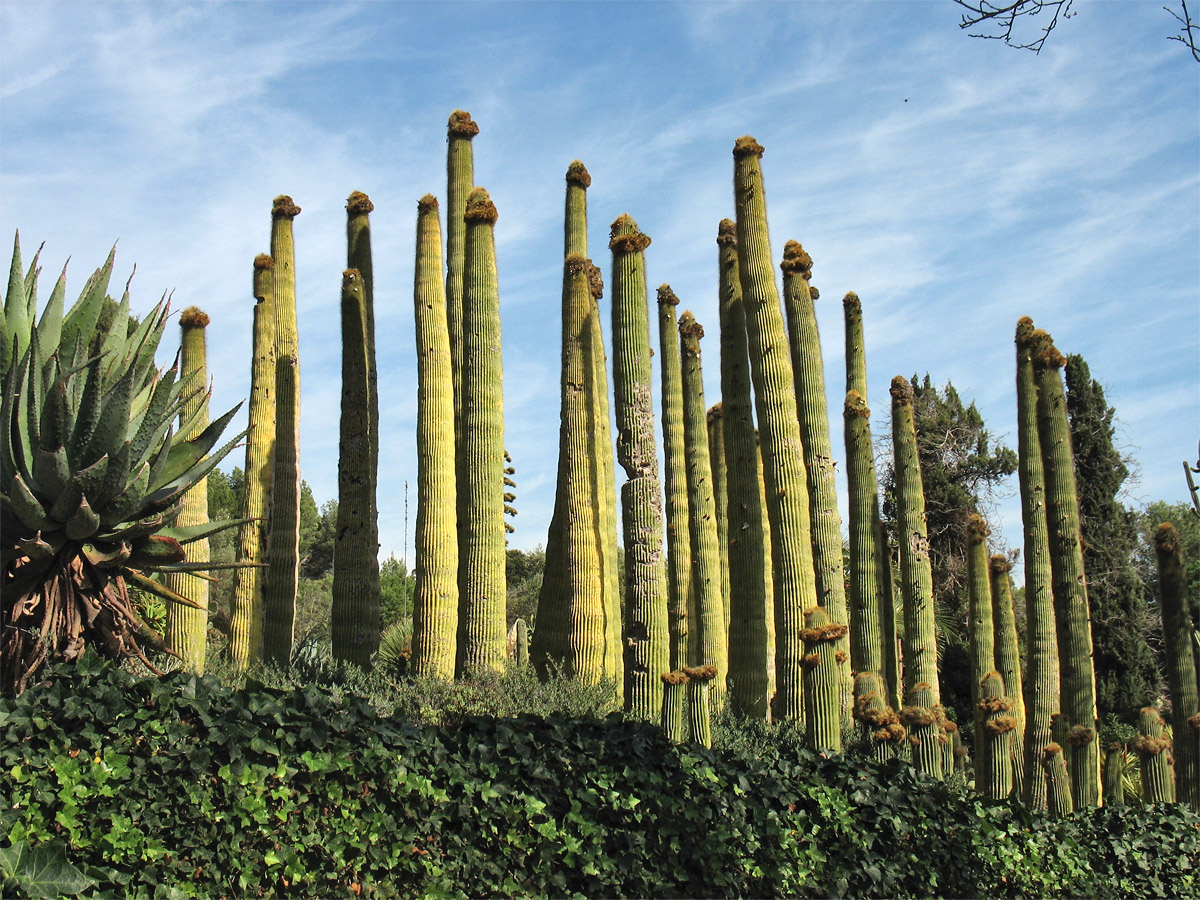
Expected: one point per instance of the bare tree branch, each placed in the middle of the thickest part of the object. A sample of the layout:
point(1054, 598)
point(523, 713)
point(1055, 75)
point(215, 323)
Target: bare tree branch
point(1188, 32)
point(1001, 19)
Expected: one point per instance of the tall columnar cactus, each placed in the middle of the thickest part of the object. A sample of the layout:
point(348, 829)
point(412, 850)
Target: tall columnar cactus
point(708, 645)
point(1041, 657)
point(1180, 663)
point(745, 546)
point(187, 627)
point(871, 601)
point(1072, 615)
point(808, 371)
point(679, 545)
point(997, 722)
point(246, 617)
point(355, 617)
point(283, 573)
point(1114, 774)
point(982, 632)
point(779, 427)
point(699, 703)
point(460, 178)
point(647, 653)
point(435, 593)
point(358, 256)
point(920, 719)
point(480, 464)
point(1058, 782)
point(822, 680)
point(1157, 763)
point(1008, 660)
point(876, 717)
point(920, 639)
point(716, 459)
point(674, 704)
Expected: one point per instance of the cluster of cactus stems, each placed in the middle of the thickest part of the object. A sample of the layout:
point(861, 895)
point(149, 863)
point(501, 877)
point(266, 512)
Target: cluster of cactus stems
point(876, 717)
point(996, 723)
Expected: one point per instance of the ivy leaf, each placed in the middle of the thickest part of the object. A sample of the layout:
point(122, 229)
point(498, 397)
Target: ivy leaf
point(42, 871)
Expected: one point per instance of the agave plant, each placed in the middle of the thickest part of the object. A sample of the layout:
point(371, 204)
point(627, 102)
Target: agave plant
point(91, 475)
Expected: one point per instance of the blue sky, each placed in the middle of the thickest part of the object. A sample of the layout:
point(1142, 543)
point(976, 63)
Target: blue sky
point(955, 184)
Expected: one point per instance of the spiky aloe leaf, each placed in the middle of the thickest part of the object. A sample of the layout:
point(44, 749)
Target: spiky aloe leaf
point(185, 455)
point(158, 589)
point(83, 316)
point(83, 522)
point(50, 325)
point(187, 534)
point(51, 470)
point(25, 505)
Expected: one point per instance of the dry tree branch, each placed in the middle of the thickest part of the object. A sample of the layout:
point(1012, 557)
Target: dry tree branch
point(1002, 17)
point(1188, 32)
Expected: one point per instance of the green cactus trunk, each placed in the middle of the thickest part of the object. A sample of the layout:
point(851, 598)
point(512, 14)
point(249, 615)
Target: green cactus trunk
point(673, 705)
point(435, 593)
point(779, 427)
point(460, 179)
point(700, 703)
point(283, 572)
point(1114, 774)
point(716, 452)
point(358, 256)
point(822, 680)
point(997, 723)
point(480, 465)
point(521, 653)
point(355, 618)
point(920, 639)
point(1041, 641)
point(679, 546)
point(1008, 661)
point(187, 628)
point(647, 651)
point(826, 521)
point(708, 646)
point(745, 543)
point(1153, 749)
point(924, 735)
point(980, 620)
point(246, 614)
point(1058, 782)
point(1072, 615)
point(1180, 662)
point(876, 718)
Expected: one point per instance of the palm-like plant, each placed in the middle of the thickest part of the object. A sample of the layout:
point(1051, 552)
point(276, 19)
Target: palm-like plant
point(92, 476)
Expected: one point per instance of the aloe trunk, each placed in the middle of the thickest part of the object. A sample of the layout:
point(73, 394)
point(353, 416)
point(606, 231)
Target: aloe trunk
point(435, 593)
point(876, 718)
point(996, 722)
point(187, 627)
point(708, 645)
point(1180, 662)
point(647, 653)
point(745, 543)
point(283, 573)
point(358, 256)
point(779, 427)
point(822, 680)
point(1041, 641)
point(924, 735)
point(679, 547)
point(980, 620)
point(1154, 751)
point(1008, 660)
point(480, 464)
point(1072, 614)
point(246, 614)
point(460, 178)
point(716, 461)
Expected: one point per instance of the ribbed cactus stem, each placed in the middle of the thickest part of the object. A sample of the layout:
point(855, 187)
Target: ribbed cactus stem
point(1180, 662)
point(779, 427)
point(246, 614)
point(1041, 641)
point(1157, 762)
point(716, 459)
point(358, 256)
point(979, 616)
point(1058, 782)
point(460, 178)
point(997, 722)
point(1114, 774)
point(435, 593)
point(745, 544)
point(823, 680)
point(522, 649)
point(920, 640)
point(647, 652)
point(1008, 660)
point(187, 628)
point(708, 646)
point(355, 617)
point(679, 545)
point(920, 720)
point(283, 573)
point(1072, 614)
point(673, 705)
point(480, 464)
point(699, 703)
point(876, 718)
point(575, 218)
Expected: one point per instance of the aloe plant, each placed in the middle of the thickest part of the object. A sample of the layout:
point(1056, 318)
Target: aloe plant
point(1180, 662)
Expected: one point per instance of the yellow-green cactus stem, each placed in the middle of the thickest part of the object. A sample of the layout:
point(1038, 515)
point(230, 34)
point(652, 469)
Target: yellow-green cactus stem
point(1157, 762)
point(1071, 609)
point(480, 463)
point(435, 593)
point(187, 627)
point(522, 648)
point(1008, 660)
point(679, 545)
point(460, 179)
point(924, 735)
point(246, 615)
point(699, 702)
point(1058, 782)
point(575, 230)
point(673, 704)
point(823, 680)
point(745, 547)
point(1180, 662)
point(355, 617)
point(876, 718)
point(647, 651)
point(358, 256)
point(283, 572)
point(1041, 640)
point(997, 722)
point(982, 643)
point(709, 643)
point(716, 454)
point(779, 428)
point(1114, 774)
point(920, 638)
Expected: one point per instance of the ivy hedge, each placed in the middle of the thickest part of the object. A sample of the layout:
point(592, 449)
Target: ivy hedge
point(116, 785)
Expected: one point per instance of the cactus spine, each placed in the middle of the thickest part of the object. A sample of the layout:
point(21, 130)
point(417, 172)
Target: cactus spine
point(1180, 663)
point(1157, 763)
point(480, 463)
point(749, 579)
point(647, 653)
point(246, 615)
point(779, 427)
point(982, 630)
point(1042, 675)
point(283, 573)
point(822, 680)
point(679, 549)
point(997, 723)
point(187, 628)
point(435, 594)
point(1072, 616)
point(460, 178)
point(1008, 660)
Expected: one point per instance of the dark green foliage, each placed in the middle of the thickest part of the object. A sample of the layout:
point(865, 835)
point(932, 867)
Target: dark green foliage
point(523, 572)
point(317, 537)
point(1185, 519)
point(1126, 671)
point(396, 586)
